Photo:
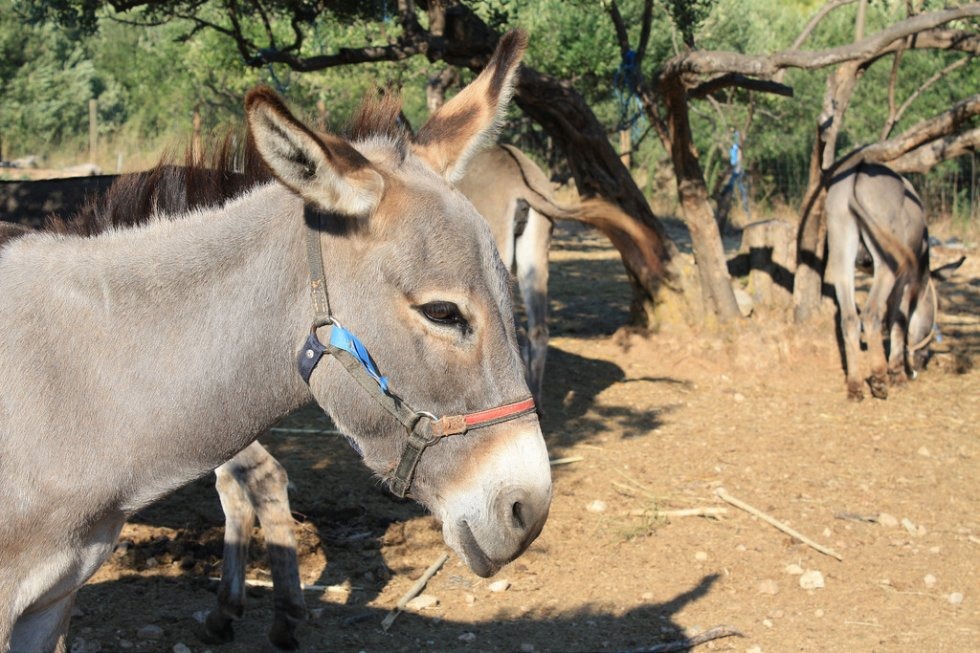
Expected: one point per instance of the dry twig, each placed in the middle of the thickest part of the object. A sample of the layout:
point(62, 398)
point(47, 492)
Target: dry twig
point(688, 643)
point(724, 496)
point(414, 591)
point(565, 461)
point(713, 512)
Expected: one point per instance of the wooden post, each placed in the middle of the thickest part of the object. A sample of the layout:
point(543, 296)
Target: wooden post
point(93, 129)
point(196, 137)
point(625, 147)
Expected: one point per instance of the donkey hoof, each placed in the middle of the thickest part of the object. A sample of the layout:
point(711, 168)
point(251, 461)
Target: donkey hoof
point(281, 637)
point(854, 392)
point(217, 629)
point(897, 378)
point(879, 387)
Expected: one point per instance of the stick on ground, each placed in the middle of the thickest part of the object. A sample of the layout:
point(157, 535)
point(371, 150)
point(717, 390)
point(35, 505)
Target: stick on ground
point(738, 503)
point(414, 591)
point(688, 643)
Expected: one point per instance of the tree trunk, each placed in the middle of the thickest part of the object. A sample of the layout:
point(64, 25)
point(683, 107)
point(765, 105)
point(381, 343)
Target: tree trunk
point(599, 173)
point(709, 253)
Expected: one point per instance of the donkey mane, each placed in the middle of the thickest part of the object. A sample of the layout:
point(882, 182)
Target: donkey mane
point(229, 168)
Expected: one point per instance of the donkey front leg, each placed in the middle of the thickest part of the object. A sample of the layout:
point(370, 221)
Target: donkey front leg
point(255, 483)
point(899, 320)
point(44, 630)
point(531, 259)
point(873, 321)
point(267, 484)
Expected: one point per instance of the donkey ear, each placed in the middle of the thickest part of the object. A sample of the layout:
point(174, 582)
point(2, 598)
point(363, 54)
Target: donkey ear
point(323, 169)
point(458, 129)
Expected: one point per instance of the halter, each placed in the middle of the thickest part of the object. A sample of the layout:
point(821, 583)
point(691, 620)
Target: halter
point(424, 428)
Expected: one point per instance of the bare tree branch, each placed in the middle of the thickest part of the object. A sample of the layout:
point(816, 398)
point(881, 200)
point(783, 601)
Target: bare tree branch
point(895, 116)
point(924, 157)
point(706, 62)
point(741, 81)
point(892, 82)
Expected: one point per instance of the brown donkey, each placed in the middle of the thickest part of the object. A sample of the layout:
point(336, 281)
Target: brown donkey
point(185, 333)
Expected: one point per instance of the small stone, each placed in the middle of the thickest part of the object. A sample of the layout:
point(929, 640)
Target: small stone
point(886, 520)
point(811, 580)
point(741, 548)
point(151, 563)
point(827, 532)
point(794, 569)
point(501, 585)
point(754, 649)
point(597, 506)
point(150, 632)
point(818, 613)
point(180, 647)
point(929, 580)
point(647, 596)
point(738, 397)
point(908, 525)
point(422, 602)
point(767, 623)
point(467, 637)
point(700, 556)
point(934, 549)
point(768, 586)
point(200, 616)
point(527, 647)
point(924, 452)
point(469, 598)
point(955, 598)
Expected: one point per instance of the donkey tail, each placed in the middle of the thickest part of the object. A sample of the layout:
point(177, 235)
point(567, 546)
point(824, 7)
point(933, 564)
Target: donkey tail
point(540, 197)
point(897, 254)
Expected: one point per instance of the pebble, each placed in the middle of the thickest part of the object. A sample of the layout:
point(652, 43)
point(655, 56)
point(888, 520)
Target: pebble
point(886, 520)
point(929, 580)
point(794, 569)
point(827, 532)
point(923, 451)
point(597, 506)
point(501, 585)
point(151, 563)
point(467, 637)
point(180, 647)
point(469, 598)
point(150, 632)
point(768, 586)
point(955, 598)
point(754, 649)
point(767, 623)
point(647, 596)
point(700, 556)
point(738, 397)
point(811, 580)
point(912, 528)
point(422, 601)
point(200, 616)
point(818, 613)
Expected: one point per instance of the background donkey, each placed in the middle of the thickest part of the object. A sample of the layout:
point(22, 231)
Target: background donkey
point(184, 336)
point(870, 204)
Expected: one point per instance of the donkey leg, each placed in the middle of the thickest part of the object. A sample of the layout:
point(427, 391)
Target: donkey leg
point(532, 278)
point(239, 520)
point(44, 630)
point(873, 320)
point(899, 320)
point(266, 484)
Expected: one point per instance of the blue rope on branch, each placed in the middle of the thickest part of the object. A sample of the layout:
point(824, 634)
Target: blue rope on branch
point(625, 82)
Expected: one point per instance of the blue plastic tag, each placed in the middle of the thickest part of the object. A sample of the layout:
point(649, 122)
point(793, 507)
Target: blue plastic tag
point(341, 338)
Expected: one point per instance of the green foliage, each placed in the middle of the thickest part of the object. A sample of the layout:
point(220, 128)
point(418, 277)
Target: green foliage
point(148, 78)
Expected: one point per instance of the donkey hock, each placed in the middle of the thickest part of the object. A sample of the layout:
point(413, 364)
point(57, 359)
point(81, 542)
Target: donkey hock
point(89, 437)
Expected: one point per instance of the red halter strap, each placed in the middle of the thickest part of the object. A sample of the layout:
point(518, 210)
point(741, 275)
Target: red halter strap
point(458, 424)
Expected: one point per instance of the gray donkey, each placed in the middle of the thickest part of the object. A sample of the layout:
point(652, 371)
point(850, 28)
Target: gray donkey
point(869, 205)
point(186, 334)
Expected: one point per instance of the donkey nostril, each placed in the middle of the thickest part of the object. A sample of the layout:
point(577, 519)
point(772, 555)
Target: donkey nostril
point(517, 510)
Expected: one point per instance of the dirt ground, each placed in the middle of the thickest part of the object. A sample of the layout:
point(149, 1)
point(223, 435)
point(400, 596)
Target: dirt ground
point(659, 424)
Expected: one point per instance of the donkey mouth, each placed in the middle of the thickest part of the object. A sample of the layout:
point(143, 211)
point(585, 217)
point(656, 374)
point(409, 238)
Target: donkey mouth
point(478, 561)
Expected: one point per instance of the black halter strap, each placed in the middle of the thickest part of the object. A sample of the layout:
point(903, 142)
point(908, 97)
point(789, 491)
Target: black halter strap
point(424, 429)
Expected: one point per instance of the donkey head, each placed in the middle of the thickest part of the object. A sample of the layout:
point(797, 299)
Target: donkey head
point(411, 268)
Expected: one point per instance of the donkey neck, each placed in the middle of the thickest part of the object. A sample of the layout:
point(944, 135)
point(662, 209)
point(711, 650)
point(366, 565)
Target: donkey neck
point(184, 338)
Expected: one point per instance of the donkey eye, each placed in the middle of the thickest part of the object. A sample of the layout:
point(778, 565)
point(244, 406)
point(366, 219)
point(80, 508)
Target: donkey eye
point(442, 313)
